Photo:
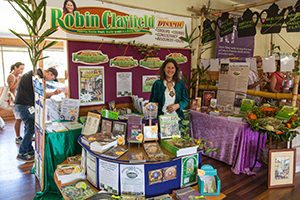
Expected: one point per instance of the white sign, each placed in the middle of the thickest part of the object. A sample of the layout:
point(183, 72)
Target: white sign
point(269, 64)
point(287, 63)
point(109, 169)
point(132, 179)
point(214, 65)
point(124, 84)
point(91, 166)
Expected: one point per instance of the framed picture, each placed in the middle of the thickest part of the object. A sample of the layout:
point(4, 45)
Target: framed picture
point(119, 129)
point(106, 126)
point(281, 171)
point(207, 96)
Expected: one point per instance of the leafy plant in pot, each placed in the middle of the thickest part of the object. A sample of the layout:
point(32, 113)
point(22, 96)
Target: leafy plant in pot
point(203, 144)
point(34, 17)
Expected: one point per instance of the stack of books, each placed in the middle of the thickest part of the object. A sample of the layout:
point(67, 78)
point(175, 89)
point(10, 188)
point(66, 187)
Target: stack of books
point(69, 172)
point(177, 148)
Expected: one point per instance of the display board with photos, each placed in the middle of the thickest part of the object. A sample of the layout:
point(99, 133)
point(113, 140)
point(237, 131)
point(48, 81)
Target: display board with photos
point(107, 87)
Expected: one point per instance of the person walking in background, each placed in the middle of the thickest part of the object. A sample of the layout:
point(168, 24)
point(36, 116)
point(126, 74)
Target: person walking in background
point(13, 80)
point(24, 104)
point(169, 91)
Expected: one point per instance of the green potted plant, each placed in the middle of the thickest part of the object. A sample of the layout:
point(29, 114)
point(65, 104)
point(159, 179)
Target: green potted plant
point(34, 17)
point(203, 144)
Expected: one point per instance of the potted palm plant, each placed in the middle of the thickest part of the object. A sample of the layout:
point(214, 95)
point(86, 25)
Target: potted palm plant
point(34, 17)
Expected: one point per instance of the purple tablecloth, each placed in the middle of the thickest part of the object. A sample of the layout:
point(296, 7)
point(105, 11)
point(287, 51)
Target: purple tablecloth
point(238, 145)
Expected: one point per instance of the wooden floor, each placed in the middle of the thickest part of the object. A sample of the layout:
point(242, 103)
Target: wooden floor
point(17, 183)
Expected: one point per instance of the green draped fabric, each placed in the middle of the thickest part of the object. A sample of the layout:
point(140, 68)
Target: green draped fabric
point(58, 146)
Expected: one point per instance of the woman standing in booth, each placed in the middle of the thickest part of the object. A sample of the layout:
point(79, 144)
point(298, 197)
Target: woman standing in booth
point(276, 79)
point(169, 91)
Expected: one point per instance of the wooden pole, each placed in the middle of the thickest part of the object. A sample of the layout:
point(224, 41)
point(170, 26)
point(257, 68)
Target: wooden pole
point(202, 18)
point(296, 85)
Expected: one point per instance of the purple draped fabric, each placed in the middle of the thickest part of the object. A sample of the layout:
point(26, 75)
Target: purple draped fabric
point(238, 145)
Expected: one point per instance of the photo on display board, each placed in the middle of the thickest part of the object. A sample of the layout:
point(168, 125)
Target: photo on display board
point(89, 57)
point(169, 173)
point(152, 63)
point(91, 85)
point(148, 82)
point(155, 176)
point(224, 68)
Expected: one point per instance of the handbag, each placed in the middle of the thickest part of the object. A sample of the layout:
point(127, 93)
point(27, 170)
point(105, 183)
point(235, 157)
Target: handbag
point(6, 98)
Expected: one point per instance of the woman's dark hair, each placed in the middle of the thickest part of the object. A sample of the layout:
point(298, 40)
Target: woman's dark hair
point(278, 65)
point(162, 74)
point(16, 65)
point(65, 3)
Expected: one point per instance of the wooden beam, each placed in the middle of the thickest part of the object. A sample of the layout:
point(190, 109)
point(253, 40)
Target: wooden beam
point(244, 6)
point(233, 8)
point(19, 43)
point(257, 93)
point(296, 84)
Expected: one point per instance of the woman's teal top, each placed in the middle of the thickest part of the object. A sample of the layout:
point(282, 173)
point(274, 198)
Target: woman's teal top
point(158, 96)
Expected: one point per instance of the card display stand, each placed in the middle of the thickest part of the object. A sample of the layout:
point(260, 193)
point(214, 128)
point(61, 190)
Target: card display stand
point(39, 104)
point(51, 148)
point(159, 177)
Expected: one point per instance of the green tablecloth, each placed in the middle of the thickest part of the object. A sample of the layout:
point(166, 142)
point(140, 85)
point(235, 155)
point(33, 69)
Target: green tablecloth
point(58, 146)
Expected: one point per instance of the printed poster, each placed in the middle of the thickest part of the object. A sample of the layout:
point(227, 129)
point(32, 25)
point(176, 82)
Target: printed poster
point(189, 167)
point(132, 180)
point(91, 167)
point(70, 109)
point(234, 77)
point(124, 84)
point(109, 169)
point(148, 82)
point(91, 85)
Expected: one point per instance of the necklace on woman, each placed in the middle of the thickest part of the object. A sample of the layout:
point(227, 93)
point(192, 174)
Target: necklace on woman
point(171, 93)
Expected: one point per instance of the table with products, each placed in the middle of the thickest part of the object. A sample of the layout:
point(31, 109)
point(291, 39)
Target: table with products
point(237, 144)
point(58, 146)
point(152, 178)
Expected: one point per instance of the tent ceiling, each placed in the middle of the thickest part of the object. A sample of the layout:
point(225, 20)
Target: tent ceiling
point(280, 3)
